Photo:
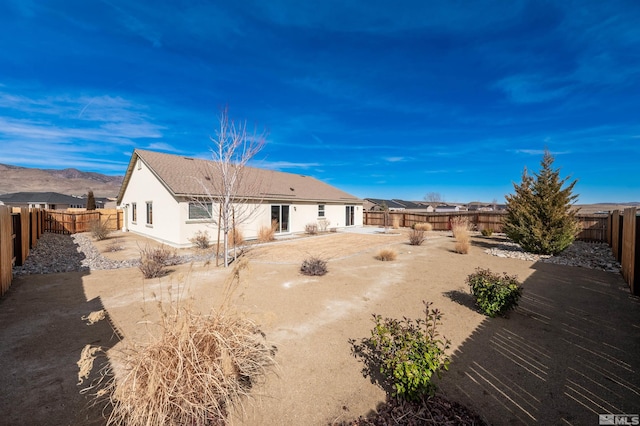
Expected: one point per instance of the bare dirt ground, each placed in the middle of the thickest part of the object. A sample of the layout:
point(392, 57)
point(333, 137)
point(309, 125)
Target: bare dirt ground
point(567, 353)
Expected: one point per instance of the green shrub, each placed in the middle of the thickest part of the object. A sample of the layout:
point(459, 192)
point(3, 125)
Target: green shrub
point(487, 232)
point(410, 352)
point(314, 266)
point(495, 294)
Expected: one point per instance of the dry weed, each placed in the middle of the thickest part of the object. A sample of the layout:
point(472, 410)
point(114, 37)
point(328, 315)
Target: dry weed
point(460, 226)
point(266, 234)
point(99, 230)
point(115, 245)
point(195, 371)
point(462, 246)
point(386, 255)
point(94, 317)
point(424, 226)
point(416, 237)
point(154, 260)
point(201, 240)
point(236, 238)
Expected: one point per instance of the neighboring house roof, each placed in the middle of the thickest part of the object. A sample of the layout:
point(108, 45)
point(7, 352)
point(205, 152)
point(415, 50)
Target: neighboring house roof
point(185, 176)
point(410, 204)
point(389, 203)
point(40, 197)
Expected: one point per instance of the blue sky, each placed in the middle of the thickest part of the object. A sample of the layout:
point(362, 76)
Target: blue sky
point(382, 99)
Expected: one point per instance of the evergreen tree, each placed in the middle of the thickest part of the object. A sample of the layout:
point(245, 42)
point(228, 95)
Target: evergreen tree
point(91, 201)
point(540, 215)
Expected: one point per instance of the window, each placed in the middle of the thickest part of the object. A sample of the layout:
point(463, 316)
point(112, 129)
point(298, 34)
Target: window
point(199, 210)
point(320, 210)
point(134, 212)
point(149, 213)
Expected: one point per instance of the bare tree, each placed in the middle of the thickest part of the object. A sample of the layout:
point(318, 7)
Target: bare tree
point(434, 197)
point(229, 184)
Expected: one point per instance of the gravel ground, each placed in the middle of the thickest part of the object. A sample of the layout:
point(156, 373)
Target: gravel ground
point(64, 253)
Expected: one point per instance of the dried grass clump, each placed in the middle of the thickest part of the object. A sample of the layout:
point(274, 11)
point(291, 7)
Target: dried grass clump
point(416, 237)
point(462, 246)
point(201, 240)
point(461, 227)
point(395, 222)
point(311, 228)
point(314, 266)
point(236, 238)
point(266, 234)
point(194, 371)
point(386, 255)
point(424, 226)
point(154, 260)
point(99, 230)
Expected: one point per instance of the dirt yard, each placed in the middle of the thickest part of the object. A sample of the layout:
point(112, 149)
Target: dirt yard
point(566, 354)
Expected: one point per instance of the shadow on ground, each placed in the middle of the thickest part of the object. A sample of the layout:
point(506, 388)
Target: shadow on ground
point(568, 353)
point(39, 316)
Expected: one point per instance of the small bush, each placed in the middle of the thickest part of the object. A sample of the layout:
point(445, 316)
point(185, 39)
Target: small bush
point(495, 294)
point(115, 245)
point(462, 246)
point(460, 226)
point(386, 255)
point(314, 266)
point(266, 234)
point(99, 230)
point(154, 260)
point(487, 232)
point(424, 226)
point(201, 240)
point(311, 228)
point(323, 224)
point(416, 237)
point(409, 352)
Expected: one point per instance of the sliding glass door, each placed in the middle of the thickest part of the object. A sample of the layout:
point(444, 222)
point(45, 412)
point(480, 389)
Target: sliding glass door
point(280, 213)
point(350, 216)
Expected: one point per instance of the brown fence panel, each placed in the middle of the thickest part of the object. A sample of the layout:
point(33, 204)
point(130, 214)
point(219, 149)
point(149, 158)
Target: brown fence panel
point(616, 234)
point(6, 249)
point(25, 239)
point(594, 227)
point(630, 262)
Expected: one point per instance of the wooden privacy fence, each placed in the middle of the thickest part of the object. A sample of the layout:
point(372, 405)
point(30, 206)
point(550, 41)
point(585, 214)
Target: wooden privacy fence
point(20, 229)
point(623, 239)
point(594, 227)
point(73, 222)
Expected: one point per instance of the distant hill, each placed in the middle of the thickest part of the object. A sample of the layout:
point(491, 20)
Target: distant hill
point(65, 181)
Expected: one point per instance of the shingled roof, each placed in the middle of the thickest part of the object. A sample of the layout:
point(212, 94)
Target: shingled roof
point(184, 177)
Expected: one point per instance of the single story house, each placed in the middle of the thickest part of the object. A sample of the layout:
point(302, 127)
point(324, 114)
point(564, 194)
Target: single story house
point(171, 198)
point(44, 200)
point(445, 208)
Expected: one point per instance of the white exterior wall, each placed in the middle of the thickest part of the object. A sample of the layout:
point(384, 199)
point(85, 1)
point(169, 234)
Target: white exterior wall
point(143, 186)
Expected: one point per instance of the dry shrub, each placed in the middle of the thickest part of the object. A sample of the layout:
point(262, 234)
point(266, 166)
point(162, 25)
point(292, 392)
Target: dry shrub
point(462, 246)
point(395, 222)
point(416, 237)
point(195, 370)
point(311, 228)
point(461, 227)
point(323, 224)
point(266, 234)
point(236, 238)
point(201, 240)
point(386, 255)
point(154, 260)
point(115, 245)
point(424, 226)
point(99, 230)
point(314, 266)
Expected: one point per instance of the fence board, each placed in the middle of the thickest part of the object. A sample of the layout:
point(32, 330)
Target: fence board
point(616, 234)
point(25, 222)
point(73, 222)
point(630, 258)
point(6, 249)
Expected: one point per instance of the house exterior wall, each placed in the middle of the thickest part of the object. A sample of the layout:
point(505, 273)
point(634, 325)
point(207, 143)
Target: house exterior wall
point(144, 187)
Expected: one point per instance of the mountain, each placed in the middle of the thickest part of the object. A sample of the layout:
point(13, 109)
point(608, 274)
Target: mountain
point(66, 181)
